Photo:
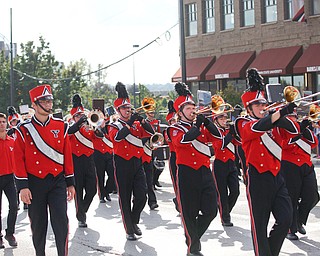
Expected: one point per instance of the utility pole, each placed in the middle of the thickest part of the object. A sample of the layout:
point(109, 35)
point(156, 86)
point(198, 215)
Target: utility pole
point(11, 63)
point(182, 43)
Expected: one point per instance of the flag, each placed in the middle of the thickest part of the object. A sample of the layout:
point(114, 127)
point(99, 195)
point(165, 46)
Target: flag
point(298, 11)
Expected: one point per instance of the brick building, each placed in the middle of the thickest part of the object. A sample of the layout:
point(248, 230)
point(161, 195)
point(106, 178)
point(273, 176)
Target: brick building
point(225, 37)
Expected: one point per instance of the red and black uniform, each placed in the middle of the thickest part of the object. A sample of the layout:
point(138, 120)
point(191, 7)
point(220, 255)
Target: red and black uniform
point(225, 173)
point(172, 166)
point(129, 174)
point(7, 168)
point(195, 185)
point(84, 169)
point(44, 165)
point(266, 190)
point(300, 177)
point(103, 159)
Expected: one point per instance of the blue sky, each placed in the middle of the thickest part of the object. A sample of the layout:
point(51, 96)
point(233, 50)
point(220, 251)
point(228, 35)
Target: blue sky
point(102, 32)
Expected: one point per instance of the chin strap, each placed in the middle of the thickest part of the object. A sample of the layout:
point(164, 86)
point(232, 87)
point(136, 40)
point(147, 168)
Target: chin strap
point(254, 115)
point(48, 111)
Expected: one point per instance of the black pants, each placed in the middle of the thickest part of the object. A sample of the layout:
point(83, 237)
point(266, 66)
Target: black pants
point(131, 181)
point(7, 185)
point(104, 164)
point(173, 170)
point(86, 186)
point(149, 177)
point(196, 193)
point(268, 194)
point(303, 189)
point(227, 185)
point(49, 193)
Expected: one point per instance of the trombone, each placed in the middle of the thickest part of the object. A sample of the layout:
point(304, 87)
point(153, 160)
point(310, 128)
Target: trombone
point(313, 115)
point(147, 105)
point(217, 107)
point(291, 95)
point(95, 118)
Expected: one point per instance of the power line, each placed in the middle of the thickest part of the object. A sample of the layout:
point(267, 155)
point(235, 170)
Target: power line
point(167, 36)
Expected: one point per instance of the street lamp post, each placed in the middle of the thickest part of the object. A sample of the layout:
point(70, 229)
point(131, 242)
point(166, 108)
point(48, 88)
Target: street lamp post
point(134, 78)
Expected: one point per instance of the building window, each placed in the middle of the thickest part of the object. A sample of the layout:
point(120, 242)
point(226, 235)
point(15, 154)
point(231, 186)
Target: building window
point(209, 22)
point(227, 14)
point(288, 10)
point(315, 7)
point(248, 13)
point(270, 10)
point(192, 19)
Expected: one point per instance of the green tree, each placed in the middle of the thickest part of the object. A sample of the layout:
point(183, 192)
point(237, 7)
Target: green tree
point(231, 96)
point(4, 83)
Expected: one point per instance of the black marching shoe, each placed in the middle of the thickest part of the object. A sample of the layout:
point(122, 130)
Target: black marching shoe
point(11, 240)
point(131, 237)
point(301, 229)
point(154, 206)
point(227, 224)
point(1, 243)
point(137, 230)
point(82, 224)
point(292, 236)
point(108, 197)
point(198, 253)
point(102, 200)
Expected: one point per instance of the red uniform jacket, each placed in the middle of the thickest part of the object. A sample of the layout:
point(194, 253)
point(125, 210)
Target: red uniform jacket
point(168, 140)
point(263, 148)
point(104, 145)
point(42, 149)
point(299, 152)
point(131, 145)
point(194, 153)
point(222, 151)
point(155, 124)
point(81, 142)
point(7, 161)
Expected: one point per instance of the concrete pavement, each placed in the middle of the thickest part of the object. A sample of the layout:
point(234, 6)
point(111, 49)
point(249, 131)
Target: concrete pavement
point(162, 231)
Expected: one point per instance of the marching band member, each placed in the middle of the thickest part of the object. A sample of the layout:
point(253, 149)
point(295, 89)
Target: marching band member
point(44, 173)
point(81, 137)
point(155, 123)
point(172, 119)
point(103, 159)
point(266, 191)
point(224, 170)
point(196, 189)
point(298, 172)
point(7, 184)
point(126, 134)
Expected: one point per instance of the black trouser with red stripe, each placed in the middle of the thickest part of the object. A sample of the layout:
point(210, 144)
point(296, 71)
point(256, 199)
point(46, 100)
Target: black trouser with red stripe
point(148, 169)
point(7, 185)
point(196, 193)
point(131, 181)
point(227, 185)
point(48, 193)
point(104, 164)
point(86, 184)
point(302, 184)
point(268, 194)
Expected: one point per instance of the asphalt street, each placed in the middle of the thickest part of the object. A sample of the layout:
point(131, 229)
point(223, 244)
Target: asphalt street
point(162, 231)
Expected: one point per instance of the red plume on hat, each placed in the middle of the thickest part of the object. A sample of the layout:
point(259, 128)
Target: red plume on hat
point(171, 111)
point(12, 114)
point(123, 97)
point(76, 105)
point(184, 97)
point(255, 92)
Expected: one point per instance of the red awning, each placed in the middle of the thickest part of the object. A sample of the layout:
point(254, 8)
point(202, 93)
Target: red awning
point(278, 61)
point(230, 66)
point(309, 61)
point(195, 69)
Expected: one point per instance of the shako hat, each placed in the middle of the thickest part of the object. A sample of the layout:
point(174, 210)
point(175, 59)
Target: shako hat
point(255, 91)
point(76, 105)
point(123, 97)
point(12, 114)
point(42, 92)
point(184, 97)
point(171, 111)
